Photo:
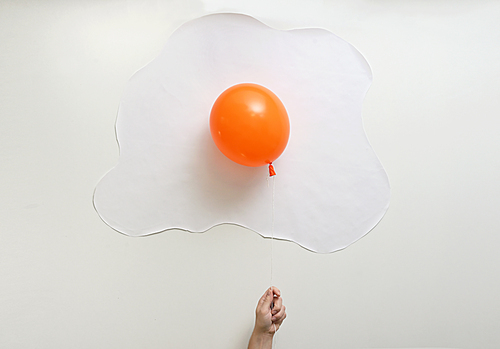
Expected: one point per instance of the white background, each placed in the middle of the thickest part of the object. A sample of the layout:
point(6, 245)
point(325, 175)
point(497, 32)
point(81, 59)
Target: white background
point(426, 276)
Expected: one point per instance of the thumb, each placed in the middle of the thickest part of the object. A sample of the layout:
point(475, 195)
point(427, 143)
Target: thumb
point(266, 299)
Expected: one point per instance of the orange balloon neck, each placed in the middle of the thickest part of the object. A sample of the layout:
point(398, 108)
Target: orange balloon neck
point(271, 170)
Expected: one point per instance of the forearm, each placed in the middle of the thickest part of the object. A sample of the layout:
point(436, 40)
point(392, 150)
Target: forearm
point(260, 341)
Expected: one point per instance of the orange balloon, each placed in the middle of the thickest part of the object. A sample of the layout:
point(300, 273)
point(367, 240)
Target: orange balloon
point(249, 124)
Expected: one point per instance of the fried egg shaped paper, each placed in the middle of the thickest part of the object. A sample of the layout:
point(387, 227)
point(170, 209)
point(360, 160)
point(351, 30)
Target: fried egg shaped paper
point(330, 188)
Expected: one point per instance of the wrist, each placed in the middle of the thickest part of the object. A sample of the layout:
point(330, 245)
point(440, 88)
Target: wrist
point(261, 340)
point(262, 333)
point(263, 330)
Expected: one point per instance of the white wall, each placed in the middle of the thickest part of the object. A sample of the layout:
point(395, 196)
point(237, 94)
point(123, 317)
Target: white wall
point(426, 276)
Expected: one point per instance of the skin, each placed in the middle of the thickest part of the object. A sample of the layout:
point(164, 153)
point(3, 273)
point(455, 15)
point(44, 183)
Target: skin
point(269, 315)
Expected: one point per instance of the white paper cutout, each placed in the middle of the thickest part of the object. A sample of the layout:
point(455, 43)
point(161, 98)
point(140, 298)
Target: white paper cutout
point(330, 188)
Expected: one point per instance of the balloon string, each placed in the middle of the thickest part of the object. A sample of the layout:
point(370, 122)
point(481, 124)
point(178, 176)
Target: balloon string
point(273, 344)
point(272, 230)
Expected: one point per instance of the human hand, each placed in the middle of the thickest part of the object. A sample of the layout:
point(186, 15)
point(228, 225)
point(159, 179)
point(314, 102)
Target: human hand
point(269, 315)
point(270, 312)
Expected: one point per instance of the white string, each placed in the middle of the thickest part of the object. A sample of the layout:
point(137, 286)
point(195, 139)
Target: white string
point(273, 344)
point(272, 228)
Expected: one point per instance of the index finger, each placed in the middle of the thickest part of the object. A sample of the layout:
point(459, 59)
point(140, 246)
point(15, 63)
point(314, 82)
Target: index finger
point(276, 291)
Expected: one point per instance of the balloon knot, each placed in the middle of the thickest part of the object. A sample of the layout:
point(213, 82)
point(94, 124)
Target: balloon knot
point(271, 170)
